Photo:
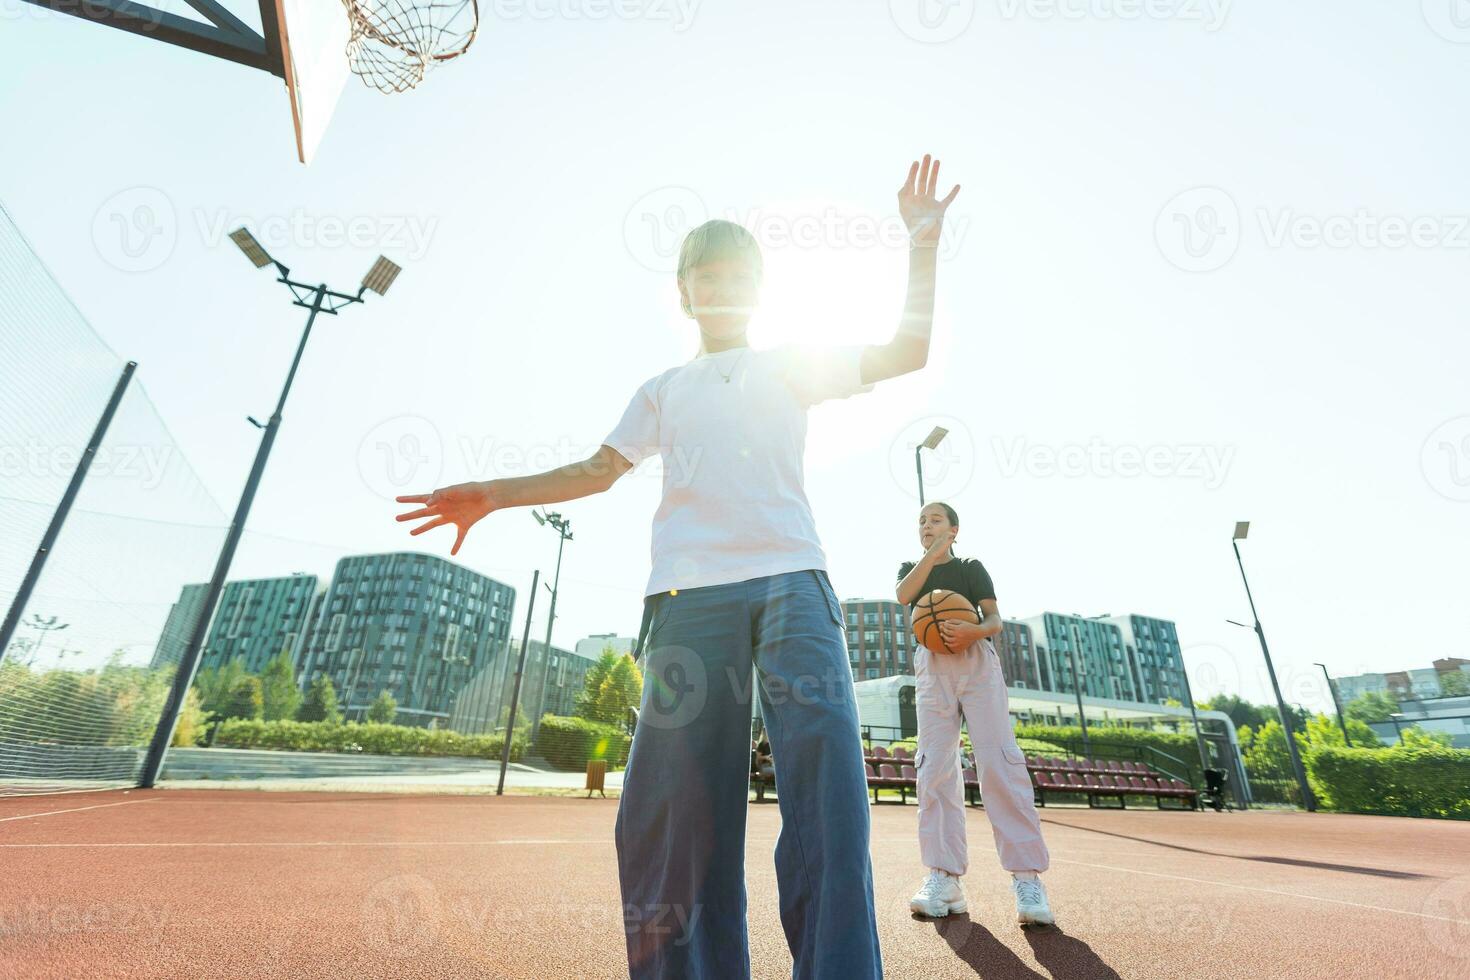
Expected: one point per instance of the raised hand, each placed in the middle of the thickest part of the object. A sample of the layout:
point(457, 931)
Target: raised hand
point(941, 543)
point(462, 505)
point(921, 213)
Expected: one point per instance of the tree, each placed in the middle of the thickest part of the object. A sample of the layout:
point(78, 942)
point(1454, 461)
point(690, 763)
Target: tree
point(244, 700)
point(1372, 706)
point(1415, 737)
point(1267, 755)
point(620, 690)
point(215, 684)
point(1322, 731)
point(1241, 711)
point(1454, 683)
point(193, 722)
point(320, 703)
point(586, 701)
point(383, 710)
point(278, 688)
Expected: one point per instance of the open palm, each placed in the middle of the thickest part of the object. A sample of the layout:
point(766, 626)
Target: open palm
point(922, 214)
point(462, 505)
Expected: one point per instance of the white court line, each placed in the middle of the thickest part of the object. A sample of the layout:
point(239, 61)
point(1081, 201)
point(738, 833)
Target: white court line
point(76, 809)
point(1265, 891)
point(607, 842)
point(313, 843)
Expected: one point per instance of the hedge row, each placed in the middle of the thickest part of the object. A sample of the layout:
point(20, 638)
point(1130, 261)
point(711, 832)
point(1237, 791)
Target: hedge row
point(368, 737)
point(568, 742)
point(1400, 781)
point(1106, 738)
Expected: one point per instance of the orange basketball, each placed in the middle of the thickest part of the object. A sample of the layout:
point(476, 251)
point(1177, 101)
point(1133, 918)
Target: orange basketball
point(935, 608)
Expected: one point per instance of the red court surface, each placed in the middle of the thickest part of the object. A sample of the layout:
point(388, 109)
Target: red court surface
point(245, 884)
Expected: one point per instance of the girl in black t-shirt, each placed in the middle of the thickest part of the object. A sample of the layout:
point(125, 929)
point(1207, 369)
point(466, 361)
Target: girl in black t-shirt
point(967, 684)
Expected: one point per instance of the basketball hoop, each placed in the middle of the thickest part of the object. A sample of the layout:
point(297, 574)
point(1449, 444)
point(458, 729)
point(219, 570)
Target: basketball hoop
point(394, 43)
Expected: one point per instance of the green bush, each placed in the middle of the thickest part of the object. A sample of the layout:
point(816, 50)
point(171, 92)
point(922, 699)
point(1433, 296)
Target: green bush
point(1413, 780)
point(370, 738)
point(1106, 739)
point(567, 743)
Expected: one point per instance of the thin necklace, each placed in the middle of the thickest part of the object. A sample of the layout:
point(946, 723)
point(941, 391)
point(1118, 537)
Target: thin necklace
point(732, 366)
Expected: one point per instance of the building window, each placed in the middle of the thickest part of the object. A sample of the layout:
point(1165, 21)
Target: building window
point(872, 673)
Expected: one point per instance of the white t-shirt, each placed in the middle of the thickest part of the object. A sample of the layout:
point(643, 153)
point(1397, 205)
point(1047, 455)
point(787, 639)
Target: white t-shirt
point(734, 505)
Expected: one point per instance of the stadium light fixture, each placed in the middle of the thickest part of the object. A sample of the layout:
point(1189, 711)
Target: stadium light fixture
point(932, 441)
point(381, 275)
point(253, 251)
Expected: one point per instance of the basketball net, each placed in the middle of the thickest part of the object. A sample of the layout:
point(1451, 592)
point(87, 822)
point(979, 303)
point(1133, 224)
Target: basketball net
point(394, 43)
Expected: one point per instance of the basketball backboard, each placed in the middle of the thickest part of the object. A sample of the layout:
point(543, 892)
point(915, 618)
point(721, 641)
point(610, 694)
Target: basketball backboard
point(311, 37)
point(303, 42)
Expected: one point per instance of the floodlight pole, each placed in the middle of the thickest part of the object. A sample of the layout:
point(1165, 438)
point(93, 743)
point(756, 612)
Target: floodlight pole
point(1308, 800)
point(561, 525)
point(515, 695)
point(317, 299)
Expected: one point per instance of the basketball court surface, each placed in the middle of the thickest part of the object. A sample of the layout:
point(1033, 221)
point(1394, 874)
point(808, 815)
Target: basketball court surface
point(244, 884)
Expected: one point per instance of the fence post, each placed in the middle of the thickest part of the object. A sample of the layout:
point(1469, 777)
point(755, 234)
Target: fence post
point(53, 530)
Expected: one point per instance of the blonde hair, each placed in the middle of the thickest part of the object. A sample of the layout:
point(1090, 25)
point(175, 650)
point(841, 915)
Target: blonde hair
point(713, 241)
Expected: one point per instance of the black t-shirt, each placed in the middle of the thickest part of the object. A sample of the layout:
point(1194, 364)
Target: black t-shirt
point(963, 575)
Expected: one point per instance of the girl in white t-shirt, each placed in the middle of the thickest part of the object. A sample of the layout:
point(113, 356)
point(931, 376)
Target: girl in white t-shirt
point(738, 584)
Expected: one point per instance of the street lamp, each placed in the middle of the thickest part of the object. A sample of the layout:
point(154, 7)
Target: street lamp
point(562, 527)
point(316, 299)
point(1242, 528)
point(1336, 705)
point(931, 442)
point(43, 626)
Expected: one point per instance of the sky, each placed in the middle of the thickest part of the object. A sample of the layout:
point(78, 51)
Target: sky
point(1207, 265)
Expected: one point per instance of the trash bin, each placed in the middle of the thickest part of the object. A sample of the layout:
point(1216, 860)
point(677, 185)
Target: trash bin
point(596, 773)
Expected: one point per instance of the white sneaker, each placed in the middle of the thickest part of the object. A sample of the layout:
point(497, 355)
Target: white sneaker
point(940, 895)
point(1032, 908)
